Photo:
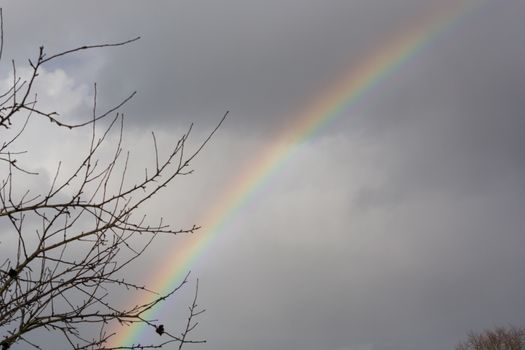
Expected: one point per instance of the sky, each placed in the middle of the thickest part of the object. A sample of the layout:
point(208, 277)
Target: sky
point(397, 225)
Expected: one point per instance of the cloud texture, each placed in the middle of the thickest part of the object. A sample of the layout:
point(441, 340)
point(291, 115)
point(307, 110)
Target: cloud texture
point(399, 226)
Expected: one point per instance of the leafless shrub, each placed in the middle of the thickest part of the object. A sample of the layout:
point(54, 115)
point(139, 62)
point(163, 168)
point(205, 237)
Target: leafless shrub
point(75, 239)
point(499, 338)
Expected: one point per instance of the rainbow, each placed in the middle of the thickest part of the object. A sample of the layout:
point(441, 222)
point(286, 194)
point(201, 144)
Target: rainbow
point(344, 93)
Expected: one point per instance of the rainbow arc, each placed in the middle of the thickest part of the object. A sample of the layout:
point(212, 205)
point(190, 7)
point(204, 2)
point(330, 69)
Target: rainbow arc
point(342, 95)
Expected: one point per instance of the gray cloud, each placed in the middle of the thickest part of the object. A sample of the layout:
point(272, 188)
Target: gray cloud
point(399, 226)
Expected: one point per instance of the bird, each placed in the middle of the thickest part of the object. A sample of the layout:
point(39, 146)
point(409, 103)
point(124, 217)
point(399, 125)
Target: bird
point(12, 273)
point(160, 329)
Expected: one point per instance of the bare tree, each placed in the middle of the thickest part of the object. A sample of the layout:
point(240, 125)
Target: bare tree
point(75, 238)
point(499, 338)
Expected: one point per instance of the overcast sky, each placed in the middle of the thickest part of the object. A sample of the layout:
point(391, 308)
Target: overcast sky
point(398, 226)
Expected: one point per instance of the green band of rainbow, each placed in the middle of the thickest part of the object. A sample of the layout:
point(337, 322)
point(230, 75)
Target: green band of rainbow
point(342, 95)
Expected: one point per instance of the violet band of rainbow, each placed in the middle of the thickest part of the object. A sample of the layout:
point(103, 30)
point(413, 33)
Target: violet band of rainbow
point(342, 95)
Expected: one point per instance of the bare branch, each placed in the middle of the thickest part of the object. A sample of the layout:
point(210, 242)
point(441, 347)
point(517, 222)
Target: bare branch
point(77, 238)
point(88, 47)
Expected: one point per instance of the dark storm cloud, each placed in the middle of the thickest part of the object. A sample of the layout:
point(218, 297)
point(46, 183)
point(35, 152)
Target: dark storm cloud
point(456, 114)
point(197, 59)
point(399, 227)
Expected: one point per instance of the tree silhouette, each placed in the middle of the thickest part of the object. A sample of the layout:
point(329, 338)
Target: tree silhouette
point(75, 238)
point(499, 338)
